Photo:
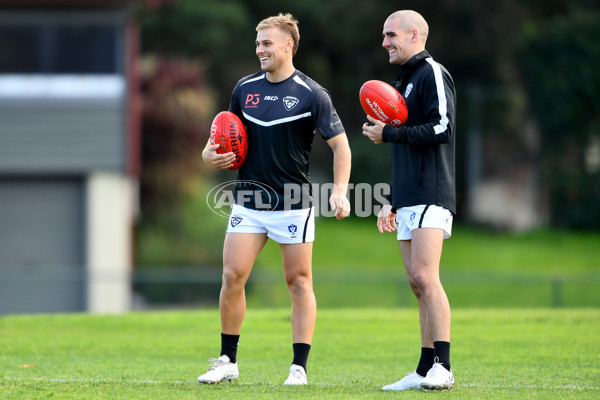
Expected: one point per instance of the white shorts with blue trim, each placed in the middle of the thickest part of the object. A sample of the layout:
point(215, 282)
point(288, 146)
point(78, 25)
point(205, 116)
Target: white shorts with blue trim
point(285, 227)
point(423, 216)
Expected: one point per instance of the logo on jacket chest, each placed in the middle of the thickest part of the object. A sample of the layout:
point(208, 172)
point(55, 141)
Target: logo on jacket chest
point(409, 88)
point(290, 102)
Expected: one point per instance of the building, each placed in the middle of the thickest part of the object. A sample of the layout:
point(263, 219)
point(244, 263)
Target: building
point(69, 155)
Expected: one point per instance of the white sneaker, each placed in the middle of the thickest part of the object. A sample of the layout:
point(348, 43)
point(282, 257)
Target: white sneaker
point(438, 378)
point(412, 381)
point(220, 370)
point(297, 376)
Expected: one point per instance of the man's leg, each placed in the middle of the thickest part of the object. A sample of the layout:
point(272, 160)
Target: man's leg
point(427, 351)
point(413, 380)
point(426, 339)
point(297, 269)
point(425, 253)
point(239, 253)
point(424, 275)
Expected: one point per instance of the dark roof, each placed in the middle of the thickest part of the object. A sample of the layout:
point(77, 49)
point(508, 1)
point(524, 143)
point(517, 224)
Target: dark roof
point(66, 3)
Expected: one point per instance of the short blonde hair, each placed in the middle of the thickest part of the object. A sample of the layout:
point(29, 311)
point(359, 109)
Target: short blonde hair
point(286, 23)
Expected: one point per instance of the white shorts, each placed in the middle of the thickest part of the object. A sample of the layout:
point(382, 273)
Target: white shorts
point(422, 216)
point(286, 227)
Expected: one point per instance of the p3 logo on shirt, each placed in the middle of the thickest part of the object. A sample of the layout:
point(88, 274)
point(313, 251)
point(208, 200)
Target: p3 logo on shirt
point(252, 100)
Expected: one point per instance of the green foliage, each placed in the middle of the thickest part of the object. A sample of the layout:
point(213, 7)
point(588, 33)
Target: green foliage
point(176, 227)
point(219, 33)
point(564, 88)
point(496, 354)
point(176, 116)
point(561, 56)
point(185, 235)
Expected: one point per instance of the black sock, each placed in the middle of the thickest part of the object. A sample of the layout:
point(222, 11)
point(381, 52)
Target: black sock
point(301, 354)
point(441, 351)
point(426, 361)
point(229, 345)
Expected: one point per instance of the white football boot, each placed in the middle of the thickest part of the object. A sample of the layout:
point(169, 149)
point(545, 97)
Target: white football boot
point(438, 378)
point(412, 381)
point(220, 370)
point(297, 376)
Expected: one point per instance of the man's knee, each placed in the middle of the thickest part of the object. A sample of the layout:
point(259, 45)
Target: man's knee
point(233, 278)
point(422, 281)
point(414, 286)
point(299, 284)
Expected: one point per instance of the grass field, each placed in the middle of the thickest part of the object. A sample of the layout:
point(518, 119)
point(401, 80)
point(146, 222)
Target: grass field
point(496, 354)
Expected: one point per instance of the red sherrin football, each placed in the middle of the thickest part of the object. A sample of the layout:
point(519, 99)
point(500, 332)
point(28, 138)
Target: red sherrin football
point(383, 102)
point(228, 131)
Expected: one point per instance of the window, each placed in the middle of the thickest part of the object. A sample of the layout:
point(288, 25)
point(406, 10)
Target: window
point(58, 48)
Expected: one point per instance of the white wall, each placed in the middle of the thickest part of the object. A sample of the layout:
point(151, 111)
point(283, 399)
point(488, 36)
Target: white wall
point(516, 205)
point(111, 199)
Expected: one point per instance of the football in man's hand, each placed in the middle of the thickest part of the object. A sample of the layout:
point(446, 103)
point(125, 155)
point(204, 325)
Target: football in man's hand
point(228, 131)
point(383, 102)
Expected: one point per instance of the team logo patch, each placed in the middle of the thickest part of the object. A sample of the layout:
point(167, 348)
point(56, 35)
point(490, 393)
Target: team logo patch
point(412, 217)
point(408, 90)
point(293, 229)
point(235, 220)
point(290, 102)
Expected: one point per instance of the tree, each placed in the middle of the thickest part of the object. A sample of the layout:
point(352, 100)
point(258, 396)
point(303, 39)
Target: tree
point(561, 57)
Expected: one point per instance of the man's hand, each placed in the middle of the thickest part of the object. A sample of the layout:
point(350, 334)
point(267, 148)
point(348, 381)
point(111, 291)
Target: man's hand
point(375, 131)
point(340, 205)
point(386, 219)
point(220, 161)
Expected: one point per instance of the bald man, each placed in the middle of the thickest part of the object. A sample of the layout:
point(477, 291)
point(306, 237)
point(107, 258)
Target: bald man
point(423, 202)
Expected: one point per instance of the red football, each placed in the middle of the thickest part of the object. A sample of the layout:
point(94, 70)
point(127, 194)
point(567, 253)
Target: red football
point(228, 131)
point(383, 102)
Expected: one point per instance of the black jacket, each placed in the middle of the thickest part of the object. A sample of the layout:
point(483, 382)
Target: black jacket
point(423, 148)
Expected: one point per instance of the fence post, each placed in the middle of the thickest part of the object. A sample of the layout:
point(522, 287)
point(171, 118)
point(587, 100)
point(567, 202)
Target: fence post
point(557, 292)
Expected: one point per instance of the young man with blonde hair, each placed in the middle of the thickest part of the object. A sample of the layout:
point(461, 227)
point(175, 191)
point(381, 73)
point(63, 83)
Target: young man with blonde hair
point(281, 108)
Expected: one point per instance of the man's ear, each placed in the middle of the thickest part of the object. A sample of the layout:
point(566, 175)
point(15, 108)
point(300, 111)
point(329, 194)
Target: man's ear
point(415, 35)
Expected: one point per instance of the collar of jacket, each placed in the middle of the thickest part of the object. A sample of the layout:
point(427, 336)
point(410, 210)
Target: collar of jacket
point(414, 61)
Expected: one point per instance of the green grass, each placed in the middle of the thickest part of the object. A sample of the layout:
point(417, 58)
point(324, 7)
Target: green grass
point(496, 354)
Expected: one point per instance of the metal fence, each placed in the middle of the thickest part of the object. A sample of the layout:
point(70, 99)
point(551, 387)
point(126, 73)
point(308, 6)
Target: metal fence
point(193, 286)
point(61, 290)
